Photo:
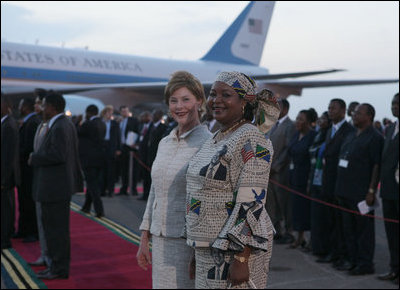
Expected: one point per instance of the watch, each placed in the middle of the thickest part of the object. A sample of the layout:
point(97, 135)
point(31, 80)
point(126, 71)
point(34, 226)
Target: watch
point(240, 258)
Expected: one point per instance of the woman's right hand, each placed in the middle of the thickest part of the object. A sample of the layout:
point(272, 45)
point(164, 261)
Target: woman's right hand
point(192, 267)
point(143, 255)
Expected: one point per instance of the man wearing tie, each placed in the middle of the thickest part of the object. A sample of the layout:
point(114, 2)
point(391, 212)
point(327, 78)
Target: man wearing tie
point(56, 178)
point(127, 124)
point(279, 200)
point(332, 229)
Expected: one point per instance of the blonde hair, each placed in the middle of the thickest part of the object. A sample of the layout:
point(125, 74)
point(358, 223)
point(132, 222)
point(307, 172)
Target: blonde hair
point(184, 79)
point(106, 108)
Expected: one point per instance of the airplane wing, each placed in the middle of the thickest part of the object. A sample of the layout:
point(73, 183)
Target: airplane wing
point(294, 75)
point(284, 88)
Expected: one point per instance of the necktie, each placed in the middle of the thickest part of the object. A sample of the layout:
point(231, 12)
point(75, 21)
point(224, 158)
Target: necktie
point(333, 131)
point(269, 134)
point(40, 136)
point(396, 130)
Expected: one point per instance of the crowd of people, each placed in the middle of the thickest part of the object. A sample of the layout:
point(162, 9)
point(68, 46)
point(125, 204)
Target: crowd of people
point(223, 178)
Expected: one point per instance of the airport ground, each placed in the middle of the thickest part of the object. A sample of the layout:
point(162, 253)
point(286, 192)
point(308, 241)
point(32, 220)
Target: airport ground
point(289, 269)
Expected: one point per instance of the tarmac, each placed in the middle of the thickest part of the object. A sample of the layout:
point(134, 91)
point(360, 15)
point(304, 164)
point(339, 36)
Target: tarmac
point(289, 268)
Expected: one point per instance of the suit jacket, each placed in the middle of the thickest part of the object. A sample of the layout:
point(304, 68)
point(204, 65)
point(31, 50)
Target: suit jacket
point(9, 153)
point(390, 161)
point(57, 173)
point(91, 143)
point(26, 136)
point(143, 144)
point(156, 134)
point(331, 156)
point(115, 139)
point(281, 139)
point(132, 125)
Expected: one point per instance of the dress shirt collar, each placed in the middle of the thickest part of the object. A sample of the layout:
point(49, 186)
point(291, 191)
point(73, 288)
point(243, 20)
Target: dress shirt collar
point(2, 119)
point(281, 120)
point(339, 124)
point(52, 120)
point(26, 118)
point(186, 134)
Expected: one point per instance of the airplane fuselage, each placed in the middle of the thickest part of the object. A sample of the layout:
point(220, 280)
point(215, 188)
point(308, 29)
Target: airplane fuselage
point(39, 66)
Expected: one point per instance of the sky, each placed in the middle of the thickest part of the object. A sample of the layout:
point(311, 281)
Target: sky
point(360, 37)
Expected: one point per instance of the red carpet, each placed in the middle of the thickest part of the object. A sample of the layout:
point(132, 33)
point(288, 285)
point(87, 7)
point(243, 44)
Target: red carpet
point(100, 259)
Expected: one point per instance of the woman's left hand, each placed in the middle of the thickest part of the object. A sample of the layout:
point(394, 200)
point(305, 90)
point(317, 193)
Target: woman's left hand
point(238, 272)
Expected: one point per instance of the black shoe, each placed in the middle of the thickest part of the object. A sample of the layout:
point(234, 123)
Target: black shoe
point(325, 259)
point(85, 210)
point(51, 276)
point(100, 215)
point(18, 236)
point(39, 262)
point(30, 239)
point(357, 271)
point(285, 239)
point(345, 266)
point(134, 193)
point(388, 276)
point(43, 272)
point(6, 246)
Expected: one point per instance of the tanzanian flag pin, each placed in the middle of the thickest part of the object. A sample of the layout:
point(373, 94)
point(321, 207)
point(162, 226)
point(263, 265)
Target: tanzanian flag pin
point(263, 153)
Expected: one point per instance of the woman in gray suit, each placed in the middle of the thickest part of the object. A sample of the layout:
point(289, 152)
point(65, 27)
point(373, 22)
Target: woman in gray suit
point(164, 217)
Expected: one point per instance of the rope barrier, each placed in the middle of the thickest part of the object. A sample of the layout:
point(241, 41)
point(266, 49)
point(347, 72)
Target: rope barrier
point(332, 205)
point(300, 194)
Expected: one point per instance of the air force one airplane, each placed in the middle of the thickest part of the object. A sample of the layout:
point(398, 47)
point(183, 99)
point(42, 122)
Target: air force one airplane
point(137, 81)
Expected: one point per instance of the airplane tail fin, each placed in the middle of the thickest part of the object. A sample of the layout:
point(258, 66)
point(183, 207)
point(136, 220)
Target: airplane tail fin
point(243, 42)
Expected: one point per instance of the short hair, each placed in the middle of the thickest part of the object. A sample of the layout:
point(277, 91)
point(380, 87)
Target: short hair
point(92, 109)
point(106, 108)
point(355, 103)
point(341, 103)
point(184, 79)
point(370, 110)
point(313, 115)
point(309, 115)
point(123, 107)
point(40, 93)
point(29, 103)
point(56, 100)
point(285, 104)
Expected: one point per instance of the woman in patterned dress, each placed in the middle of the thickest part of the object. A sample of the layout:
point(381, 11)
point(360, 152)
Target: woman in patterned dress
point(164, 217)
point(226, 220)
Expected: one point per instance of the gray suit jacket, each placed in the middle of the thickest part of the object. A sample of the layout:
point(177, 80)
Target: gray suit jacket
point(56, 164)
point(280, 139)
point(390, 161)
point(166, 206)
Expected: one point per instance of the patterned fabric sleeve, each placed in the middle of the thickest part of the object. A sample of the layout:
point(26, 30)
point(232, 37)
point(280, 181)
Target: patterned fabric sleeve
point(249, 223)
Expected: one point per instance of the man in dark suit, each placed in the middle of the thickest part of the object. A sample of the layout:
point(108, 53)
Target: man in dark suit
point(390, 191)
point(279, 205)
point(357, 180)
point(27, 224)
point(147, 125)
point(112, 148)
point(9, 171)
point(56, 178)
point(91, 134)
point(156, 134)
point(332, 232)
point(128, 124)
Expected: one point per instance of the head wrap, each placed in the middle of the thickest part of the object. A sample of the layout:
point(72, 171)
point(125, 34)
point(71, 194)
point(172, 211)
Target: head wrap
point(266, 109)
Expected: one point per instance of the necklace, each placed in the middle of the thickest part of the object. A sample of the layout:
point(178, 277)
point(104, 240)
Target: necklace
point(223, 133)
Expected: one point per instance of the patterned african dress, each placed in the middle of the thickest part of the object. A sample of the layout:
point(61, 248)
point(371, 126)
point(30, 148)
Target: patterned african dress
point(227, 183)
